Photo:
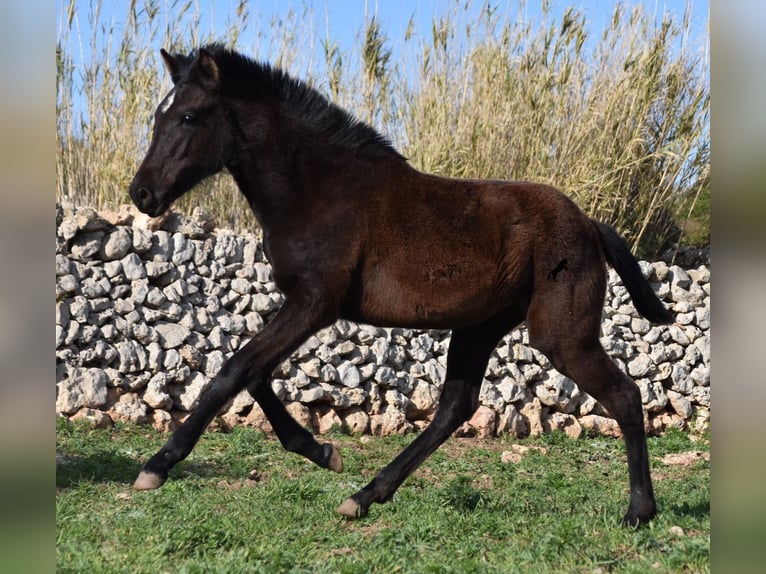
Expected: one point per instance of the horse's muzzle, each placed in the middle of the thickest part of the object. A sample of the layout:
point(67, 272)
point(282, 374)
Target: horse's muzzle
point(146, 201)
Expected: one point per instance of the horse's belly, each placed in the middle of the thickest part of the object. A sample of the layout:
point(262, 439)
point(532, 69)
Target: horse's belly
point(427, 296)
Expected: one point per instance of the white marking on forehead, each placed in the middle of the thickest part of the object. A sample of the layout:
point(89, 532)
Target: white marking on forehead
point(168, 101)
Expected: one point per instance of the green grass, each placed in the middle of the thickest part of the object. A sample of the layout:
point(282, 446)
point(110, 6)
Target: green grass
point(240, 503)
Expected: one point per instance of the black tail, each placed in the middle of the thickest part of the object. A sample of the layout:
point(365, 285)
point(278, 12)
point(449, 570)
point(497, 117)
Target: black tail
point(619, 256)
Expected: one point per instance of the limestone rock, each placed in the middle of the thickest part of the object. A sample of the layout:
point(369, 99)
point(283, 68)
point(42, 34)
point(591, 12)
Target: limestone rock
point(81, 388)
point(601, 425)
point(117, 244)
point(680, 404)
point(98, 419)
point(349, 374)
point(163, 421)
point(131, 409)
point(512, 422)
point(556, 390)
point(133, 267)
point(325, 420)
point(423, 400)
point(185, 396)
point(171, 335)
point(532, 413)
point(565, 423)
point(356, 420)
point(482, 424)
point(640, 366)
point(257, 419)
point(300, 413)
point(389, 420)
point(155, 395)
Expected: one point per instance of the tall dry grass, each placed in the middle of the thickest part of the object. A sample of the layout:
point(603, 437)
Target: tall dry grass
point(619, 121)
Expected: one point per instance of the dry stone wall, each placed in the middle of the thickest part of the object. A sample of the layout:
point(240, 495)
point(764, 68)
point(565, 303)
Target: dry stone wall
point(147, 312)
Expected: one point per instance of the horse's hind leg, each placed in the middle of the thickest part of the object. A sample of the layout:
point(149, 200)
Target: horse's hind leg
point(294, 437)
point(601, 378)
point(467, 358)
point(565, 328)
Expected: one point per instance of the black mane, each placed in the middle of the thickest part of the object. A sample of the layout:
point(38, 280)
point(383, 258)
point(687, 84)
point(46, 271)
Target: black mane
point(245, 78)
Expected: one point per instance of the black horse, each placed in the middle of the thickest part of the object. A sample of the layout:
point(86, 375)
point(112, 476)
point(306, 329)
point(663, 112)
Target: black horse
point(353, 231)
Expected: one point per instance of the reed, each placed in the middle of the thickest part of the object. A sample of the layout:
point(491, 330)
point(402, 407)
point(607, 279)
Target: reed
point(620, 121)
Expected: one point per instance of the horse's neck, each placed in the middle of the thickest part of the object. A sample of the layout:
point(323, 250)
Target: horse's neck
point(280, 184)
point(261, 193)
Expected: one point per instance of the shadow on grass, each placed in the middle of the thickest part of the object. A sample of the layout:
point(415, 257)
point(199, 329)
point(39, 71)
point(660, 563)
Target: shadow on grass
point(698, 511)
point(99, 467)
point(109, 467)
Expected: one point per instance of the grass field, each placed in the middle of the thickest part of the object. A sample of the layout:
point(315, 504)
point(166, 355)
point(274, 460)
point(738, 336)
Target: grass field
point(240, 503)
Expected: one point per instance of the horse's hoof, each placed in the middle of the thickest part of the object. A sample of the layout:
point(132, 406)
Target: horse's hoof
point(633, 521)
point(351, 509)
point(335, 462)
point(148, 481)
point(639, 514)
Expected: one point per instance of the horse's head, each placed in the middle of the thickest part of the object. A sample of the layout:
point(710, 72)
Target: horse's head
point(191, 138)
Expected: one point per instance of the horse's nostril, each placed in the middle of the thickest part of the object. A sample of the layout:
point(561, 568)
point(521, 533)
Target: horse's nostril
point(141, 196)
point(144, 195)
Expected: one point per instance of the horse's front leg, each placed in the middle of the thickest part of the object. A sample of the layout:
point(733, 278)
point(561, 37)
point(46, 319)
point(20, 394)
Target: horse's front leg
point(300, 316)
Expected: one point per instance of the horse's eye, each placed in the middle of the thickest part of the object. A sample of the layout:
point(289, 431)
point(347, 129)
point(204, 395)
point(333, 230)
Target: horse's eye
point(188, 118)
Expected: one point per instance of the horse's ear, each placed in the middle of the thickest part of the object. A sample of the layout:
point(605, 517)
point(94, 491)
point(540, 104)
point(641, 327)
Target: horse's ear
point(208, 67)
point(171, 64)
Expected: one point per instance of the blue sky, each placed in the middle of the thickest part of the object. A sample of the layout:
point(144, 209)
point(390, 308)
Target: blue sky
point(347, 16)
